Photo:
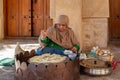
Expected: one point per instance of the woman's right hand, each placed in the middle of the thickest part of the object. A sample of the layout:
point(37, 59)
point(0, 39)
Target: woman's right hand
point(43, 34)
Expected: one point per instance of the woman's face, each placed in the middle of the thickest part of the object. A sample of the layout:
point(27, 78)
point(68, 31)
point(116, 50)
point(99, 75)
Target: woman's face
point(61, 27)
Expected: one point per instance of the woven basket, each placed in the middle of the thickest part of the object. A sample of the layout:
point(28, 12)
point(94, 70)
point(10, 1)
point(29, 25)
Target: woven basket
point(94, 66)
point(107, 57)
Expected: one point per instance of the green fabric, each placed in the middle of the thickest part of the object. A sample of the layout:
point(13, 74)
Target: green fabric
point(7, 62)
point(76, 47)
point(51, 44)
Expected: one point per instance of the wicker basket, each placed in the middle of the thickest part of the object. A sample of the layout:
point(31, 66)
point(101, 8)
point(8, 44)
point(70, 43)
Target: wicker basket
point(107, 57)
point(94, 66)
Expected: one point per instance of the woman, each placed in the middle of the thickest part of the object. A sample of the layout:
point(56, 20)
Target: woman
point(59, 39)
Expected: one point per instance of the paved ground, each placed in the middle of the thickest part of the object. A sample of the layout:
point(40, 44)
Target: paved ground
point(7, 48)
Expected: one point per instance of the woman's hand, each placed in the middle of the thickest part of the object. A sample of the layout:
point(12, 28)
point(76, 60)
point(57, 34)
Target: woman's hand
point(74, 49)
point(43, 34)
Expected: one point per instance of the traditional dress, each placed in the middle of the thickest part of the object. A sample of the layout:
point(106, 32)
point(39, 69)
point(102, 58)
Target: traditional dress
point(58, 41)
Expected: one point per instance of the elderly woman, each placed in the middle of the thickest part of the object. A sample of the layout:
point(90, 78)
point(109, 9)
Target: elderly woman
point(59, 39)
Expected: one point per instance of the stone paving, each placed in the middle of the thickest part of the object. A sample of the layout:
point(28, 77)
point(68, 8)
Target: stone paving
point(7, 48)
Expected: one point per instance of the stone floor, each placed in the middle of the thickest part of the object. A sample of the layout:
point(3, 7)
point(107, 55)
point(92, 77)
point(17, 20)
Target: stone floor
point(7, 48)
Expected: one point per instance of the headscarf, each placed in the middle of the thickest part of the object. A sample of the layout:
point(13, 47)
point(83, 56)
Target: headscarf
point(66, 38)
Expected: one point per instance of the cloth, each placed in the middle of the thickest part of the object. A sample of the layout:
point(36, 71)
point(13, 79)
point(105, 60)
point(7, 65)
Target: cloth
point(66, 53)
point(50, 50)
point(51, 44)
point(62, 19)
point(72, 56)
point(66, 39)
point(56, 40)
point(7, 62)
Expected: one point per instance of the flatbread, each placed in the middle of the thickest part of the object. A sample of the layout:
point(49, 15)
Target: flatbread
point(47, 58)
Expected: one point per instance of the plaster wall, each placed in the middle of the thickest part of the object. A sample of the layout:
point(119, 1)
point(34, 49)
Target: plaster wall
point(95, 14)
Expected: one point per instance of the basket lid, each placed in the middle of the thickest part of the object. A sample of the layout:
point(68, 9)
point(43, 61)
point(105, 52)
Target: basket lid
point(94, 63)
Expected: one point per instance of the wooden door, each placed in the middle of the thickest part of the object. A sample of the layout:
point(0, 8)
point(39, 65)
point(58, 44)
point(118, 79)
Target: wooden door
point(38, 15)
point(114, 21)
point(25, 18)
point(47, 20)
point(12, 18)
point(41, 16)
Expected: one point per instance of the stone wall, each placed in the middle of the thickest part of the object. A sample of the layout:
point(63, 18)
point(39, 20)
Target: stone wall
point(95, 15)
point(1, 20)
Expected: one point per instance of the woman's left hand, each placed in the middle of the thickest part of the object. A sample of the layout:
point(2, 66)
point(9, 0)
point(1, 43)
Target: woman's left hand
point(74, 50)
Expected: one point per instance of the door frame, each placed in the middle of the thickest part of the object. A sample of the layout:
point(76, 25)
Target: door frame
point(109, 24)
point(109, 20)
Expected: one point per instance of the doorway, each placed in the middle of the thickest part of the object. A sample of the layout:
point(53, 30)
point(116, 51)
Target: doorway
point(26, 18)
point(114, 20)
